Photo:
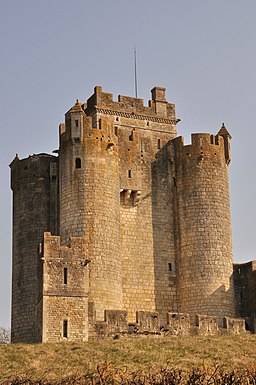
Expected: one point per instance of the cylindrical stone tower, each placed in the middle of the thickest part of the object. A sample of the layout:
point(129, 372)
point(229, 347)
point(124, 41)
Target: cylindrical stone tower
point(35, 210)
point(204, 239)
point(90, 202)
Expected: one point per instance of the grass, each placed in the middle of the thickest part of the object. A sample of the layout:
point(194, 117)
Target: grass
point(54, 362)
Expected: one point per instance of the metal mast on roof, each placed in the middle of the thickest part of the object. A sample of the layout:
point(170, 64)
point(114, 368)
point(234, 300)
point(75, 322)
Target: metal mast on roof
point(135, 73)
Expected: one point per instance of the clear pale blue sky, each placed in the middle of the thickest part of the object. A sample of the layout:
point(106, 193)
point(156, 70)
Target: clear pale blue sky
point(202, 51)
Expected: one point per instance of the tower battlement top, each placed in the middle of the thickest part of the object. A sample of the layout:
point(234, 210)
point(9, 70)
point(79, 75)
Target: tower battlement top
point(157, 107)
point(200, 140)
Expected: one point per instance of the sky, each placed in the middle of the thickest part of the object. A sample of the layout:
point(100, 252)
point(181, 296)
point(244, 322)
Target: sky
point(55, 51)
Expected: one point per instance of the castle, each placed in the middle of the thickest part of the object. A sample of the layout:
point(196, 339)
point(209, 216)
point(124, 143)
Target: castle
point(126, 228)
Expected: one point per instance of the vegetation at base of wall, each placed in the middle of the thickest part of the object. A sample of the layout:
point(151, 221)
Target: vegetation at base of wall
point(5, 335)
point(227, 359)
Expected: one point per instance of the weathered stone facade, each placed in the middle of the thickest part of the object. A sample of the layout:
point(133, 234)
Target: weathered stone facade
point(127, 230)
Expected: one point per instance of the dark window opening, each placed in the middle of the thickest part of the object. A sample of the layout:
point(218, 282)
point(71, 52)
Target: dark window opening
point(169, 266)
point(116, 130)
point(78, 163)
point(65, 328)
point(174, 182)
point(241, 295)
point(158, 143)
point(129, 174)
point(76, 123)
point(131, 136)
point(65, 276)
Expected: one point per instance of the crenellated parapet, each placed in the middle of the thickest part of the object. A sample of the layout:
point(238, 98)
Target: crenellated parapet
point(203, 147)
point(158, 109)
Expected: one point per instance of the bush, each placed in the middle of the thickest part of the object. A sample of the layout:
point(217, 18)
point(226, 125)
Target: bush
point(5, 335)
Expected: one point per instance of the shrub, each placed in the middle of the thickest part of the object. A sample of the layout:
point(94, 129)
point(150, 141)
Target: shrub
point(5, 335)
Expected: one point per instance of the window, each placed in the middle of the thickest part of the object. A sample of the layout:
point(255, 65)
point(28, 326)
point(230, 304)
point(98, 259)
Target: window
point(158, 143)
point(169, 266)
point(131, 137)
point(129, 173)
point(78, 162)
point(76, 123)
point(116, 130)
point(65, 328)
point(65, 275)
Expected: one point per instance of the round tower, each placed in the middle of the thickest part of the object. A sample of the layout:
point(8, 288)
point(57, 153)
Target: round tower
point(90, 202)
point(204, 239)
point(35, 210)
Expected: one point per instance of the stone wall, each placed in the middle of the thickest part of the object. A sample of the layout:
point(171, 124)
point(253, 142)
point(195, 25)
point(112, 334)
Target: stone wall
point(64, 293)
point(204, 247)
point(90, 202)
point(147, 252)
point(115, 325)
point(245, 289)
point(34, 182)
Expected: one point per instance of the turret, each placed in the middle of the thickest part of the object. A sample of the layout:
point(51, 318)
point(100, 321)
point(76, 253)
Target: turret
point(204, 241)
point(34, 182)
point(89, 201)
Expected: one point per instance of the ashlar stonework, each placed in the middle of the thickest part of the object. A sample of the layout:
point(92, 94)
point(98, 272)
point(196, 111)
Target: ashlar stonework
point(125, 230)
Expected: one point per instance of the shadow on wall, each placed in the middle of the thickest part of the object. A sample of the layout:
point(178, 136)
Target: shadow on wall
point(163, 223)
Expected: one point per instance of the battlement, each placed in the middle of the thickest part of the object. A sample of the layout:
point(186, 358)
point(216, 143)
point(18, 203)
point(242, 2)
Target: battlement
point(204, 145)
point(158, 107)
point(200, 140)
point(29, 171)
point(52, 244)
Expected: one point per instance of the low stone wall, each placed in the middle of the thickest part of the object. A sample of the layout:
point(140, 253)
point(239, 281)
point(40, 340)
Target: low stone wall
point(207, 325)
point(234, 325)
point(148, 323)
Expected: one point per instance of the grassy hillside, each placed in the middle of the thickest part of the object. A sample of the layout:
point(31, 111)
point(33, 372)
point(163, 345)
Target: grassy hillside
point(55, 362)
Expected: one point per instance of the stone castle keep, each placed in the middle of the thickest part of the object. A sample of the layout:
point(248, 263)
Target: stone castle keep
point(125, 229)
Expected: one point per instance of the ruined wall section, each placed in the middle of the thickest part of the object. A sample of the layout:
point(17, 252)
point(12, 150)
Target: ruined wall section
point(63, 297)
point(90, 199)
point(34, 182)
point(146, 246)
point(245, 288)
point(204, 252)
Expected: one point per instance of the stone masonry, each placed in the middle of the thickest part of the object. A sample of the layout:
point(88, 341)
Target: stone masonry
point(127, 230)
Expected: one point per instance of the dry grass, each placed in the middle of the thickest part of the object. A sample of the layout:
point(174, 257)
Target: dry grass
point(132, 358)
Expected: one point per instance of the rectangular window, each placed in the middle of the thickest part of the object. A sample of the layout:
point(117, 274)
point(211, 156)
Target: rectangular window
point(78, 163)
point(159, 143)
point(169, 266)
point(65, 328)
point(76, 123)
point(65, 276)
point(129, 174)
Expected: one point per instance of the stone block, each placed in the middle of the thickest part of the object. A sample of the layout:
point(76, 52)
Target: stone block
point(116, 321)
point(234, 325)
point(178, 323)
point(148, 322)
point(207, 325)
point(101, 329)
